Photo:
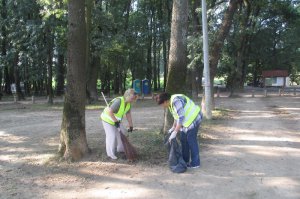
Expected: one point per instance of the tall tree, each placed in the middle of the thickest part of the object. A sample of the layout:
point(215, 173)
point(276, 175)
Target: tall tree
point(178, 51)
point(73, 143)
point(177, 66)
point(92, 65)
point(216, 49)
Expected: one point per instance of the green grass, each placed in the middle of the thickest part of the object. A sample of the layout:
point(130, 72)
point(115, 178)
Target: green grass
point(150, 147)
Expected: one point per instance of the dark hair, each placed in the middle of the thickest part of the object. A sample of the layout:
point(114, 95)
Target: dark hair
point(163, 97)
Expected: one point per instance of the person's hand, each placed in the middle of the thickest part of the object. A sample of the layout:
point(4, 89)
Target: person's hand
point(172, 136)
point(117, 124)
point(171, 130)
point(130, 129)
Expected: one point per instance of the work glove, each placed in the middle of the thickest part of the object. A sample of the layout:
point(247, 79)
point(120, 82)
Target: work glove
point(171, 130)
point(172, 136)
point(117, 124)
point(130, 129)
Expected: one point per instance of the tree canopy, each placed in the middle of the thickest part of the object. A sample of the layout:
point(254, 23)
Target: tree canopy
point(130, 40)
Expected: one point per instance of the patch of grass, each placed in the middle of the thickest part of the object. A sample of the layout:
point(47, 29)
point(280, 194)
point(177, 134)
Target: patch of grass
point(219, 113)
point(150, 147)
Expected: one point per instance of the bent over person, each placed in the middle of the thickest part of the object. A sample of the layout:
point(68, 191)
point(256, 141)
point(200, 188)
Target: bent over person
point(187, 118)
point(112, 118)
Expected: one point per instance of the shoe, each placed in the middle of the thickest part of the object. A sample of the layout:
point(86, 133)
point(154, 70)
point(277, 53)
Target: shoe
point(192, 167)
point(113, 157)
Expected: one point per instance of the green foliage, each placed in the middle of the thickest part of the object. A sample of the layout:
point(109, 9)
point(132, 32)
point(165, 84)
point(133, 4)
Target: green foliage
point(267, 38)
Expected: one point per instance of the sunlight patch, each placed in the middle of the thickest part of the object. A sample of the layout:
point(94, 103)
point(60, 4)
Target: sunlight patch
point(3, 133)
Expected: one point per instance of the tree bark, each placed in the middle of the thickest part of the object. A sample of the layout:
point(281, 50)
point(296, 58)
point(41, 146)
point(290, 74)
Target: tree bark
point(19, 94)
point(60, 75)
point(178, 53)
point(73, 143)
point(50, 42)
point(91, 62)
point(178, 48)
point(92, 81)
point(216, 49)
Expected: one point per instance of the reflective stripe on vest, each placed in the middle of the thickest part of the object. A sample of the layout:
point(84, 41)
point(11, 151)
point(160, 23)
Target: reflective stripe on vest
point(190, 110)
point(119, 115)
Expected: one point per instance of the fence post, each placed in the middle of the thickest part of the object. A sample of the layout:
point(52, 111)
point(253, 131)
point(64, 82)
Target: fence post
point(32, 99)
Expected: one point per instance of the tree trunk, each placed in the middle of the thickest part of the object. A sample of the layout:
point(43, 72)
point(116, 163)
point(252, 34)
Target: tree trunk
point(91, 69)
point(60, 75)
point(216, 49)
point(92, 81)
point(178, 52)
point(178, 49)
point(238, 69)
point(19, 94)
point(73, 143)
point(49, 39)
point(149, 51)
point(7, 79)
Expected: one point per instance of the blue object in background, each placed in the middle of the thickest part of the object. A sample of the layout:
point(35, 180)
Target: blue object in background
point(146, 86)
point(137, 86)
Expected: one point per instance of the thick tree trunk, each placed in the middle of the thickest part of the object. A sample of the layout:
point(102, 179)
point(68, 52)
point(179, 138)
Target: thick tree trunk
point(73, 143)
point(178, 49)
point(178, 53)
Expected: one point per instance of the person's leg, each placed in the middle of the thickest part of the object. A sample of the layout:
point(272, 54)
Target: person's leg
point(184, 147)
point(110, 140)
point(193, 146)
point(120, 147)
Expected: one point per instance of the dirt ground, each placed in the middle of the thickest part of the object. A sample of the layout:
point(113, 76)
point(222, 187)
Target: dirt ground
point(252, 153)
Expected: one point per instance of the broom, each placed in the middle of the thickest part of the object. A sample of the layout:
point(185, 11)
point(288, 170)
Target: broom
point(130, 151)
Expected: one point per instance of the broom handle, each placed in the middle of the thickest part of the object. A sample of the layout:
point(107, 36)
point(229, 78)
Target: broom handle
point(104, 98)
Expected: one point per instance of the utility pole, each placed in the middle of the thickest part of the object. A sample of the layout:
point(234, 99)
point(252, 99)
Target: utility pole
point(207, 86)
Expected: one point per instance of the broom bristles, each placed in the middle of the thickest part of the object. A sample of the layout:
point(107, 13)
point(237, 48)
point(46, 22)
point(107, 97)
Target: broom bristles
point(130, 151)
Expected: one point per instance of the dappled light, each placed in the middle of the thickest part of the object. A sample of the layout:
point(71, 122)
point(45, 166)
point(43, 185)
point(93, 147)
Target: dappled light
point(246, 144)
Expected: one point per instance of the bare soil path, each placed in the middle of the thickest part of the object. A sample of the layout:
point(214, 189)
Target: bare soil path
point(253, 153)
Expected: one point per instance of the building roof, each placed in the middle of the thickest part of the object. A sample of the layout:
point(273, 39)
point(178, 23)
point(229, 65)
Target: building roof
point(275, 73)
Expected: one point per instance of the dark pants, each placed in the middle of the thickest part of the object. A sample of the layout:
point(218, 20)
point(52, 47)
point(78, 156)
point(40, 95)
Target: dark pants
point(190, 147)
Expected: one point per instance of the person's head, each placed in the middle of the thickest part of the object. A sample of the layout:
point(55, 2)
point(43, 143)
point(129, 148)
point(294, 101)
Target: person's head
point(130, 95)
point(164, 99)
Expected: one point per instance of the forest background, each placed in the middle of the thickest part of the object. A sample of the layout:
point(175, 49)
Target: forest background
point(128, 40)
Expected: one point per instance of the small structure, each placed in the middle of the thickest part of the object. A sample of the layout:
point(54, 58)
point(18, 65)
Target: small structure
point(137, 86)
point(277, 78)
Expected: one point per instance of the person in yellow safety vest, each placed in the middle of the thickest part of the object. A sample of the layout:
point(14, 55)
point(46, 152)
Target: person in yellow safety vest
point(187, 118)
point(111, 120)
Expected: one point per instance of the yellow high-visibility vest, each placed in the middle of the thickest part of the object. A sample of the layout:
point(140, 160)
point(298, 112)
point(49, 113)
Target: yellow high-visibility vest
point(119, 115)
point(190, 110)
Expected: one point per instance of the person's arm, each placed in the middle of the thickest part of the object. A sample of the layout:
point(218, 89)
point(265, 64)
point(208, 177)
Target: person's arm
point(179, 106)
point(178, 127)
point(174, 124)
point(129, 119)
